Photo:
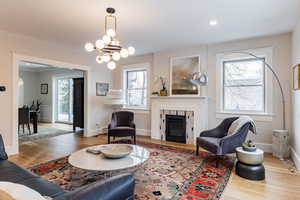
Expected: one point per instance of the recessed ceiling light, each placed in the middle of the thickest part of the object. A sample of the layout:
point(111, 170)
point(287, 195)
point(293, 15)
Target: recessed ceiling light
point(213, 22)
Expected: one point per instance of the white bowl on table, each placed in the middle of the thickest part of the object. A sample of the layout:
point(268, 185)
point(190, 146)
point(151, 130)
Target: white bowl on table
point(116, 150)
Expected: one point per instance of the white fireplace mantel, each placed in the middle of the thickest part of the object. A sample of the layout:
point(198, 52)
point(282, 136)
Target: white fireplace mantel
point(199, 105)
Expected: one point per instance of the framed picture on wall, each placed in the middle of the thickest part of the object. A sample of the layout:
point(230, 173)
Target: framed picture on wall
point(44, 88)
point(181, 72)
point(102, 89)
point(296, 77)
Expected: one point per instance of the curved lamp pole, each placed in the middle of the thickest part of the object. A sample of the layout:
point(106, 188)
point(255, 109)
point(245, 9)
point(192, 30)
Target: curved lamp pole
point(276, 78)
point(201, 79)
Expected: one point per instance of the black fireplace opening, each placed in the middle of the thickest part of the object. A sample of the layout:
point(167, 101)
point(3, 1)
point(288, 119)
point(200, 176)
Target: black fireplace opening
point(176, 128)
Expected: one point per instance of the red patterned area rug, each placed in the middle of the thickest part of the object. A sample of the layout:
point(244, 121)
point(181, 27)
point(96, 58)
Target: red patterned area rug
point(170, 174)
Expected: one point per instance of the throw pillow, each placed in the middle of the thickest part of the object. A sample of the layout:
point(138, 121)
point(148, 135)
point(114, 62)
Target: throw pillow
point(13, 191)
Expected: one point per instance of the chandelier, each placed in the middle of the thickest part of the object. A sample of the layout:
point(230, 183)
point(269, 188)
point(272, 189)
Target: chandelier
point(109, 48)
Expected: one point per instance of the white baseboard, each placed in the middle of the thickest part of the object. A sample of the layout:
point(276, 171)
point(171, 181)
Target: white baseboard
point(295, 158)
point(143, 132)
point(265, 147)
point(11, 150)
point(100, 131)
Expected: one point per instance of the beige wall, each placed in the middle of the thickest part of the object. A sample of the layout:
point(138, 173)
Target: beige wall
point(142, 117)
point(24, 45)
point(280, 62)
point(281, 45)
point(296, 99)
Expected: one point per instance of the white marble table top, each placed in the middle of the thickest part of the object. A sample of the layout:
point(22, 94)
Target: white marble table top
point(87, 161)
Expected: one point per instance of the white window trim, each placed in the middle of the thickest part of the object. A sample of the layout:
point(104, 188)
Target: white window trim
point(267, 53)
point(141, 66)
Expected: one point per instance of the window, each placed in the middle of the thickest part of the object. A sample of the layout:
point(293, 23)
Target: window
point(135, 87)
point(244, 86)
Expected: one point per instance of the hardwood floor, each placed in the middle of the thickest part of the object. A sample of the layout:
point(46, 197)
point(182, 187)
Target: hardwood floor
point(280, 183)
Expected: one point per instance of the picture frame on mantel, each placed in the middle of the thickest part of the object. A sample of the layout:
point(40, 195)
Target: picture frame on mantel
point(296, 77)
point(181, 71)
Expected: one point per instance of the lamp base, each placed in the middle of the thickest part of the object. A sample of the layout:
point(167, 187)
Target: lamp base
point(280, 144)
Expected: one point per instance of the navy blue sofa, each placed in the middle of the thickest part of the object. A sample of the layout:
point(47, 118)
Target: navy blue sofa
point(119, 187)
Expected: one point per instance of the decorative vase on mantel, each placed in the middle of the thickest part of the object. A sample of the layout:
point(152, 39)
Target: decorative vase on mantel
point(163, 92)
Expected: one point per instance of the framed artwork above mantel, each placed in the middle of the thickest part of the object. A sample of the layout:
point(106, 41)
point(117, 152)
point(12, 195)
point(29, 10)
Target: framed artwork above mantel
point(181, 71)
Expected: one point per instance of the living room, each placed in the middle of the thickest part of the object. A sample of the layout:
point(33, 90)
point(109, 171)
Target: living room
point(209, 91)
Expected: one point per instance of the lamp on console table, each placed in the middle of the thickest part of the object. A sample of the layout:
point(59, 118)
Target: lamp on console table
point(115, 98)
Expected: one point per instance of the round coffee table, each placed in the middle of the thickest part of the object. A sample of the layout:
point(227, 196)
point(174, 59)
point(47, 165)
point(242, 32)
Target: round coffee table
point(88, 161)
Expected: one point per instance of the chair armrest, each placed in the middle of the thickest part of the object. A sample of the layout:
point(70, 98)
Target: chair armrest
point(216, 132)
point(231, 142)
point(119, 187)
point(3, 155)
point(109, 126)
point(132, 125)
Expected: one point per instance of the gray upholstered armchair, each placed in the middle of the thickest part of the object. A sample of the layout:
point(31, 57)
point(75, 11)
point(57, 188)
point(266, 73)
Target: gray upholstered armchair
point(122, 125)
point(217, 142)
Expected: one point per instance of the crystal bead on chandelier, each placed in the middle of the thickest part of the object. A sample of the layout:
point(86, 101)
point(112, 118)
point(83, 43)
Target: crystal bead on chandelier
point(109, 48)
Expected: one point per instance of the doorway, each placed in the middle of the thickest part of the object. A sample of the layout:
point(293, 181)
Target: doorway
point(65, 114)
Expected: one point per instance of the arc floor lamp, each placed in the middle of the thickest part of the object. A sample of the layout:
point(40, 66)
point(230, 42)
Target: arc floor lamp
point(201, 80)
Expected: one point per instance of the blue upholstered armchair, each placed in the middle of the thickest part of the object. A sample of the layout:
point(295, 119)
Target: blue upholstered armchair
point(218, 142)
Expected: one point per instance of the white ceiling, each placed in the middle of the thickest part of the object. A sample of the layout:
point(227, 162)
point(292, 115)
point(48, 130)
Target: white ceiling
point(149, 25)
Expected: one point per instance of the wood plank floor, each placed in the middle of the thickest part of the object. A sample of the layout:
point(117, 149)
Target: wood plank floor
point(280, 183)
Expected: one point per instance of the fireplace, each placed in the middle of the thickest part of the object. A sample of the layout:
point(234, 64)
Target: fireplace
point(176, 128)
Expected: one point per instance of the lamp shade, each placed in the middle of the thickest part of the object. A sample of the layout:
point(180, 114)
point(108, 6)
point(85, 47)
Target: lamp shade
point(114, 97)
point(199, 79)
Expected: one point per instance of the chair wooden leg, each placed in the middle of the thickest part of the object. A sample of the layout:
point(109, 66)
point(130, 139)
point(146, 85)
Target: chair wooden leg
point(23, 128)
point(108, 139)
point(197, 150)
point(28, 126)
point(134, 139)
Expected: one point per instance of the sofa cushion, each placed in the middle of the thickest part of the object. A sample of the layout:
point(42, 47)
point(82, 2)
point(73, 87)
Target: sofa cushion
point(13, 191)
point(13, 173)
point(10, 172)
point(43, 186)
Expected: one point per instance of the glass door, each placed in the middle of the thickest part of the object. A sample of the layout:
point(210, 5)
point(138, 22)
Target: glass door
point(64, 100)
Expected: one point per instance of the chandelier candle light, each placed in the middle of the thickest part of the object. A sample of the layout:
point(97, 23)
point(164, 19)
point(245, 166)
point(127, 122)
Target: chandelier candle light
point(109, 48)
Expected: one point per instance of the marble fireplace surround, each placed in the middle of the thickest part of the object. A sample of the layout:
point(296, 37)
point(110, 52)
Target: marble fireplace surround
point(195, 107)
point(189, 120)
